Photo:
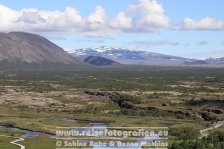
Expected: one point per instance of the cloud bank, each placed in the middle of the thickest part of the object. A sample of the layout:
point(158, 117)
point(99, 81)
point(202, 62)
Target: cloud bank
point(202, 43)
point(207, 23)
point(146, 16)
point(151, 43)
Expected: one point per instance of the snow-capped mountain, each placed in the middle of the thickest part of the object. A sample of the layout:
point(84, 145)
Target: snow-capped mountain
point(126, 56)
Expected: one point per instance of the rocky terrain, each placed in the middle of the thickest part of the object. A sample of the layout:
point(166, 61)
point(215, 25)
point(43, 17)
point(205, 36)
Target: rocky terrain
point(31, 48)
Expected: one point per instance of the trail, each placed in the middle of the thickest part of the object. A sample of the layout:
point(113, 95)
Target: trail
point(15, 141)
point(205, 132)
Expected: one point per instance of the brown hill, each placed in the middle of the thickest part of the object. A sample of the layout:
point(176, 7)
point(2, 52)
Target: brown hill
point(32, 48)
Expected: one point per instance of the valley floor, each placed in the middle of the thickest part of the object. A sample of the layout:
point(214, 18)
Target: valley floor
point(180, 98)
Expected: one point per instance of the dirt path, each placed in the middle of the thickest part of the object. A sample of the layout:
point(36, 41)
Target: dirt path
point(205, 132)
point(15, 141)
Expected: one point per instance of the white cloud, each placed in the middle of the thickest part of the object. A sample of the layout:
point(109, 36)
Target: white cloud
point(35, 20)
point(148, 16)
point(121, 21)
point(96, 20)
point(145, 16)
point(7, 17)
point(207, 23)
point(48, 21)
point(96, 24)
point(68, 21)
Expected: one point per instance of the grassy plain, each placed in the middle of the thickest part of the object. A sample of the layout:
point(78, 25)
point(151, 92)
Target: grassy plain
point(147, 96)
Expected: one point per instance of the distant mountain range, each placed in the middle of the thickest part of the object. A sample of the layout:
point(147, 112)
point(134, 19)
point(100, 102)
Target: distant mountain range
point(20, 47)
point(126, 56)
point(26, 48)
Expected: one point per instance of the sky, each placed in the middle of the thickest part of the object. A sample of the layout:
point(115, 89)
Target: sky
point(187, 28)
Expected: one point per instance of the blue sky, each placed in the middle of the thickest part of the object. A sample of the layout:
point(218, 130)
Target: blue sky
point(153, 25)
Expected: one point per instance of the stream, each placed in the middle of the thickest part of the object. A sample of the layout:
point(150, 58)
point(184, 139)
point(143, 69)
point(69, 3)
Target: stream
point(92, 125)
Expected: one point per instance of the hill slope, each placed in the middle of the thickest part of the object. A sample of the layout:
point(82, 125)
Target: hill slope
point(31, 48)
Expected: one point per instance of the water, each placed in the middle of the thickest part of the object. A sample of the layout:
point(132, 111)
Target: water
point(92, 125)
point(27, 133)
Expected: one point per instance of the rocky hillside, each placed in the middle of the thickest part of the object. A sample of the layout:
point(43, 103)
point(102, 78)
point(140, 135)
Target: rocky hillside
point(31, 48)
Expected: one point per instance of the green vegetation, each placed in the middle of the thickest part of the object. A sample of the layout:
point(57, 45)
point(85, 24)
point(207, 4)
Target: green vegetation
point(185, 133)
point(39, 143)
point(185, 99)
point(213, 141)
point(5, 143)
